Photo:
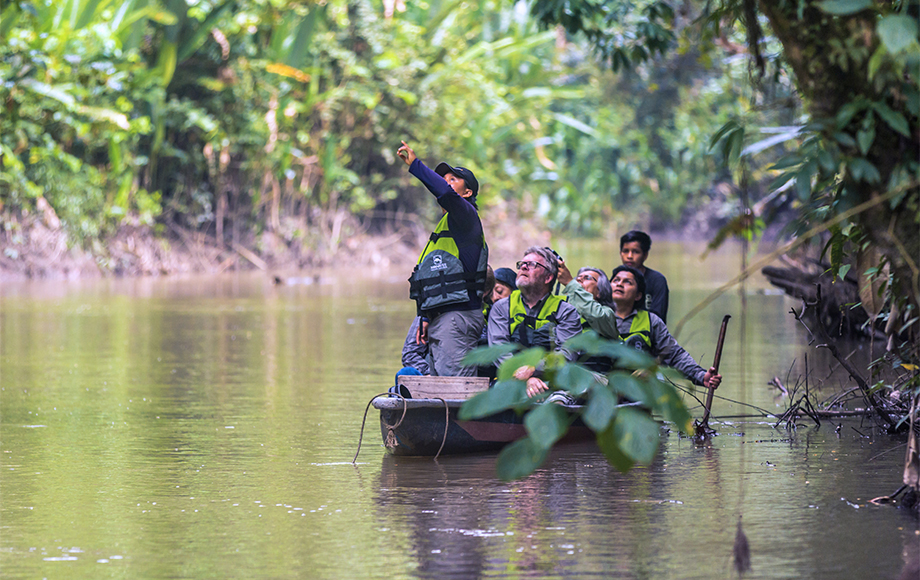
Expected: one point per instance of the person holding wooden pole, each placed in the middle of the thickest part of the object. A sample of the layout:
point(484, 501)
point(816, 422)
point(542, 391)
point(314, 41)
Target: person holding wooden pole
point(638, 328)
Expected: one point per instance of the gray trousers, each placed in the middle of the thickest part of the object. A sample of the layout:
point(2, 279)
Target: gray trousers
point(450, 336)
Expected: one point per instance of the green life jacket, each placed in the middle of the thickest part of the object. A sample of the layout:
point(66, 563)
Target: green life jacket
point(529, 330)
point(439, 278)
point(640, 332)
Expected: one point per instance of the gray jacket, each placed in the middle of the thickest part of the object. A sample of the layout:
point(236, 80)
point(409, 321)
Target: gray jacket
point(604, 321)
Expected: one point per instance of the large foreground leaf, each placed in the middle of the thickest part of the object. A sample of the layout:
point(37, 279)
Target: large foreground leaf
point(519, 459)
point(610, 447)
point(637, 434)
point(487, 355)
point(530, 358)
point(546, 424)
point(504, 395)
point(600, 410)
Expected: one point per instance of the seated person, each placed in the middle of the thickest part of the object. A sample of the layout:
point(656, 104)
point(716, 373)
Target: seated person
point(634, 248)
point(641, 329)
point(504, 284)
point(415, 353)
point(591, 280)
point(593, 284)
point(532, 315)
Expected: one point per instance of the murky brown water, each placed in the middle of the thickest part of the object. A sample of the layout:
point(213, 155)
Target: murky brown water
point(204, 428)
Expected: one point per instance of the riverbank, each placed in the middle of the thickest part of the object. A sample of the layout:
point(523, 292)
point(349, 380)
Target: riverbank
point(37, 246)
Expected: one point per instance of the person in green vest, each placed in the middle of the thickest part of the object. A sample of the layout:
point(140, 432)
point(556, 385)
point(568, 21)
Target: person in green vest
point(533, 316)
point(636, 327)
point(447, 282)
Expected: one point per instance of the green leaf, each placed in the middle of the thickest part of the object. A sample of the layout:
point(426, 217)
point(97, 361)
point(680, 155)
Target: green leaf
point(788, 161)
point(844, 7)
point(601, 409)
point(546, 424)
point(864, 138)
point(610, 447)
point(504, 395)
point(876, 61)
point(862, 170)
point(670, 406)
point(803, 182)
point(486, 355)
point(628, 387)
point(781, 180)
point(297, 55)
point(828, 161)
point(893, 118)
point(637, 433)
point(845, 139)
point(842, 273)
point(519, 459)
point(575, 379)
point(897, 32)
point(530, 358)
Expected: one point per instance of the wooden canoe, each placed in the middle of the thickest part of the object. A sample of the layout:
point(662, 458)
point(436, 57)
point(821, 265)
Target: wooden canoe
point(416, 426)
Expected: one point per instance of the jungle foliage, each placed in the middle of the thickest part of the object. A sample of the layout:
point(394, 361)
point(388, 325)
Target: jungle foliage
point(241, 118)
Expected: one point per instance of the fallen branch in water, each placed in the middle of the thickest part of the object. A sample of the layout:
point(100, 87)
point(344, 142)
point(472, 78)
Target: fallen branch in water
point(820, 333)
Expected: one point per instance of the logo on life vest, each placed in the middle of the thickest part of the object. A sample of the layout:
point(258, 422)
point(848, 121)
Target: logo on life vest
point(437, 263)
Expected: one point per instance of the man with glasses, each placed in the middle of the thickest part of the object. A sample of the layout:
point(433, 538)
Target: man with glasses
point(447, 283)
point(533, 316)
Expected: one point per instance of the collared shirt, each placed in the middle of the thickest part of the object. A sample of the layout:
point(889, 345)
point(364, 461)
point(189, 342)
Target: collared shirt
point(568, 325)
point(604, 320)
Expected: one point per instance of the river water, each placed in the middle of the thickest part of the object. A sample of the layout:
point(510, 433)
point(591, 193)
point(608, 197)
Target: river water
point(205, 428)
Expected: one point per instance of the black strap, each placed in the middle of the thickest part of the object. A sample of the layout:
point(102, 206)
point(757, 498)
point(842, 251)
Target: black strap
point(472, 279)
point(435, 236)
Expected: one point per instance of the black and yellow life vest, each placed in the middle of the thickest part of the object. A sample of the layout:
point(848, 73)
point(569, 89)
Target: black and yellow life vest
point(640, 332)
point(439, 278)
point(530, 330)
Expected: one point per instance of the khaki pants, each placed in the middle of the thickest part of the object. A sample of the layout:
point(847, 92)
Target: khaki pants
point(450, 336)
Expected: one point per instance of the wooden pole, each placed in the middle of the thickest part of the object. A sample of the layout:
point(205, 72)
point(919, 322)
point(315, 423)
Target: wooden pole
point(704, 423)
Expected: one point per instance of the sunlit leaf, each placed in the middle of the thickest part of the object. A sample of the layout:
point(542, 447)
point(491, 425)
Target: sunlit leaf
point(844, 7)
point(546, 424)
point(610, 446)
point(504, 395)
point(897, 32)
point(600, 410)
point(519, 459)
point(637, 433)
point(530, 358)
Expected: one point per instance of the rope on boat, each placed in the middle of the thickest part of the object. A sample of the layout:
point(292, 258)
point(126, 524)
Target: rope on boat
point(446, 425)
point(391, 438)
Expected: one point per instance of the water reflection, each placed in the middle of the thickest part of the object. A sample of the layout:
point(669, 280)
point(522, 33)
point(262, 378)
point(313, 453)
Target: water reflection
point(212, 420)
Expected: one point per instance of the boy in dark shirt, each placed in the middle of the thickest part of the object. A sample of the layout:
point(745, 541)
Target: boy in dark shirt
point(634, 248)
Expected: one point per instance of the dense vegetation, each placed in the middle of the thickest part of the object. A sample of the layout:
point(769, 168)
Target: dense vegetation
point(253, 117)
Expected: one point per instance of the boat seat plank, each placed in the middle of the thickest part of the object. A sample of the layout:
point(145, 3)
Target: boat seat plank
point(457, 388)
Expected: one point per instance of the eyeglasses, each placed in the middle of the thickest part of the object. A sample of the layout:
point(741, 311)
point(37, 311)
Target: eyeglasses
point(530, 265)
point(585, 277)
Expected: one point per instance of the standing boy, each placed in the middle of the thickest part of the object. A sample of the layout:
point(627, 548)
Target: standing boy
point(634, 248)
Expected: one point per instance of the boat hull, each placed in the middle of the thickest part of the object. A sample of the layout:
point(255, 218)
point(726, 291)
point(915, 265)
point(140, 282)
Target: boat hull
point(421, 431)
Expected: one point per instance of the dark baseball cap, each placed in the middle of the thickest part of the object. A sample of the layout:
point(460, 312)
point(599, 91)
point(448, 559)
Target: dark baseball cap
point(462, 172)
point(507, 277)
